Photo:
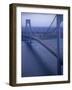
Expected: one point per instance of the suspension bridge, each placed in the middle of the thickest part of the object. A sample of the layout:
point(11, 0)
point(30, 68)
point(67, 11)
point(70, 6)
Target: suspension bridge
point(28, 36)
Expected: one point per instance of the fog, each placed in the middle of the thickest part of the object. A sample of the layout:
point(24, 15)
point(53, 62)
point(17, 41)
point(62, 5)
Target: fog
point(37, 19)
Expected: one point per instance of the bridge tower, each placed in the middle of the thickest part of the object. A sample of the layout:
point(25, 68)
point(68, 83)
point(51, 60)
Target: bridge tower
point(28, 23)
point(59, 20)
point(28, 30)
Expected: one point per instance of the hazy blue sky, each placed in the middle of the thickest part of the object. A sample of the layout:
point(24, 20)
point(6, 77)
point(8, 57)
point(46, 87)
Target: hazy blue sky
point(37, 19)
